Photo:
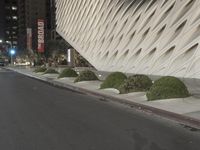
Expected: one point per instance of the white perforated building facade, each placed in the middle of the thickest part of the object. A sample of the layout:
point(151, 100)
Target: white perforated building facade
point(156, 37)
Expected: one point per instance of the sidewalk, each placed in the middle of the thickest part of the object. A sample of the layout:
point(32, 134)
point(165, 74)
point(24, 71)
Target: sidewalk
point(183, 110)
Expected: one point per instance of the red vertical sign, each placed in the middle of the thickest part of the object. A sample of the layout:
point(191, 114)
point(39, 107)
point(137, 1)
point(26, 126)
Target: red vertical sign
point(40, 35)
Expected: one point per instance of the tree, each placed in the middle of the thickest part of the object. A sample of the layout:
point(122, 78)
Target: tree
point(56, 47)
point(80, 61)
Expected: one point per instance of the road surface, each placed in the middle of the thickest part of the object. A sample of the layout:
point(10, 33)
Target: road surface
point(38, 116)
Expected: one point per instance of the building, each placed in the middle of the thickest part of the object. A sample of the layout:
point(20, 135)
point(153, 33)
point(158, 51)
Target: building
point(22, 39)
point(11, 22)
point(2, 19)
point(51, 23)
point(21, 23)
point(136, 36)
point(32, 13)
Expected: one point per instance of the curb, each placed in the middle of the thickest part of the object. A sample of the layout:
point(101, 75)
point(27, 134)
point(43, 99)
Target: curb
point(181, 119)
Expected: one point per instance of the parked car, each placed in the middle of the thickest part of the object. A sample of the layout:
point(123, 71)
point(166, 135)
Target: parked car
point(2, 62)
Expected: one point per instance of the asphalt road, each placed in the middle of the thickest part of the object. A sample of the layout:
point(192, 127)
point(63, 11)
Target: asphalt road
point(38, 116)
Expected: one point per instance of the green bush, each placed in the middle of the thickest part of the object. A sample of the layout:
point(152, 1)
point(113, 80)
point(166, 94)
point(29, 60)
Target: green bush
point(68, 73)
point(166, 88)
point(86, 75)
point(114, 80)
point(136, 83)
point(50, 71)
point(40, 69)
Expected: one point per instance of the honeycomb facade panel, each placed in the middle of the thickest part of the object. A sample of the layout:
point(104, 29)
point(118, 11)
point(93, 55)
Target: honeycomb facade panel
point(153, 37)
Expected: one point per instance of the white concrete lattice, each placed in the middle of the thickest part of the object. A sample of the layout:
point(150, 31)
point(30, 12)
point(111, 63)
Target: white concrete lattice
point(154, 37)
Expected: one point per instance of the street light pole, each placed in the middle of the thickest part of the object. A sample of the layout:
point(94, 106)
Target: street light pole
point(9, 42)
point(12, 52)
point(1, 42)
point(11, 59)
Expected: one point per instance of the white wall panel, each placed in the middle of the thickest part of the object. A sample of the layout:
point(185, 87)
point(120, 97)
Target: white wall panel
point(156, 37)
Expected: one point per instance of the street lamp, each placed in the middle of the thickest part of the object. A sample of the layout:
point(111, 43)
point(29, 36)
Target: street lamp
point(9, 42)
point(12, 53)
point(1, 42)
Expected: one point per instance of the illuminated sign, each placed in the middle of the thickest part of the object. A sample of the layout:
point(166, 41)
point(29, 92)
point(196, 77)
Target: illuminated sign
point(69, 55)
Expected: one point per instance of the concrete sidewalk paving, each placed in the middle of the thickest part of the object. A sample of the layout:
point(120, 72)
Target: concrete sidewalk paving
point(188, 108)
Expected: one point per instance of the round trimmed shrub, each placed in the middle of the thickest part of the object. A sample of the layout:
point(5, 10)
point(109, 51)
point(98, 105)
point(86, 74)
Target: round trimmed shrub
point(114, 80)
point(40, 69)
point(166, 88)
point(86, 75)
point(68, 73)
point(50, 71)
point(136, 83)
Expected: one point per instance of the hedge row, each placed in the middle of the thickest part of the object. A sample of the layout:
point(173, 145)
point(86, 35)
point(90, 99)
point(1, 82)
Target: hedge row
point(86, 75)
point(166, 88)
point(163, 88)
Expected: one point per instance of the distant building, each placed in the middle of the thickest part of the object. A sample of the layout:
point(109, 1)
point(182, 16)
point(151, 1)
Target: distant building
point(2, 19)
point(30, 11)
point(10, 23)
point(51, 21)
point(50, 15)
